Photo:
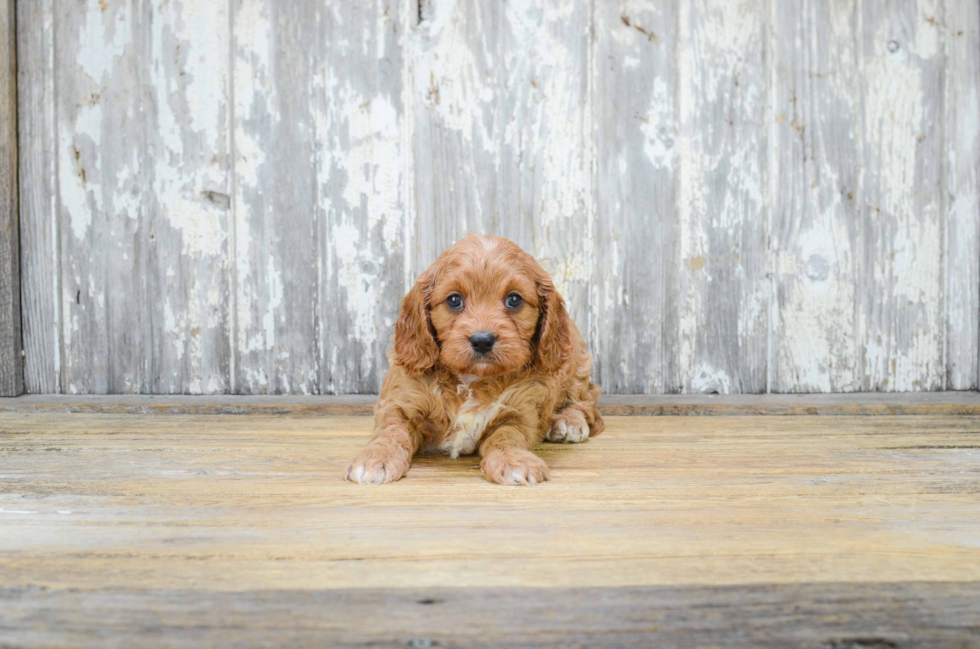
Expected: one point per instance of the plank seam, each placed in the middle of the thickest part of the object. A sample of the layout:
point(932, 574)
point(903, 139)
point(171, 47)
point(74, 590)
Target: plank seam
point(233, 211)
point(148, 357)
point(15, 214)
point(770, 194)
point(319, 216)
point(56, 208)
point(593, 333)
point(12, 207)
point(976, 278)
point(944, 198)
point(673, 381)
point(667, 385)
point(862, 279)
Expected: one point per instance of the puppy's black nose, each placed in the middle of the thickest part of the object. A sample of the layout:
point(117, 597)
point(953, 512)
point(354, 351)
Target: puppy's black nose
point(482, 342)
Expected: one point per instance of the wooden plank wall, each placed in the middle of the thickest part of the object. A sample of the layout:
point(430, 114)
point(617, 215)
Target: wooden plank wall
point(11, 360)
point(232, 196)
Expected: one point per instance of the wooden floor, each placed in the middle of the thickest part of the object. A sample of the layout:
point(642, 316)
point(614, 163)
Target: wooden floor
point(177, 530)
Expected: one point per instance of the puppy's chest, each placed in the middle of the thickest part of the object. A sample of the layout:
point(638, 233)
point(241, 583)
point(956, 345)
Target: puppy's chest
point(468, 421)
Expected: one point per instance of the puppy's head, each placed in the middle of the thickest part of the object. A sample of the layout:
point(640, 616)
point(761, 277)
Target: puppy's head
point(485, 307)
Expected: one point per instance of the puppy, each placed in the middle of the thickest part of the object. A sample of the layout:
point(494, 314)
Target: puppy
point(485, 360)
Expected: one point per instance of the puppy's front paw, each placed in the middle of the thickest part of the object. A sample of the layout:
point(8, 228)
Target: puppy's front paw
point(376, 466)
point(570, 427)
point(514, 466)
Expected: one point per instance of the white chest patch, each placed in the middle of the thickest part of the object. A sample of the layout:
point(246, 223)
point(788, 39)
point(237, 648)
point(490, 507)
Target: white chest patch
point(471, 421)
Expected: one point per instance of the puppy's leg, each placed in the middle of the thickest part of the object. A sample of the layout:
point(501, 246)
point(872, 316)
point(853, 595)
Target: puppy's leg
point(570, 426)
point(507, 458)
point(388, 455)
point(576, 422)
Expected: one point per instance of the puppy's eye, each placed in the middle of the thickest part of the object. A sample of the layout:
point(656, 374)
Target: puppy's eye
point(455, 301)
point(513, 301)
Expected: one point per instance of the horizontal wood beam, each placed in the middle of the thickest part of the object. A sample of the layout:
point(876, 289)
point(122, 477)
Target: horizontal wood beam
point(772, 615)
point(11, 361)
point(855, 404)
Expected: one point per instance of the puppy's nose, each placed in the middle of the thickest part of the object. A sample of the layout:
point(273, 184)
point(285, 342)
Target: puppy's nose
point(482, 342)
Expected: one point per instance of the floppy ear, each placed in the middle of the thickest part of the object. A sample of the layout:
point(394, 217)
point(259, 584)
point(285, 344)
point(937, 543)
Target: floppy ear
point(416, 348)
point(554, 345)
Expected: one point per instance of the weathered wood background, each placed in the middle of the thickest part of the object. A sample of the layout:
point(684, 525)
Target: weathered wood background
point(11, 360)
point(733, 195)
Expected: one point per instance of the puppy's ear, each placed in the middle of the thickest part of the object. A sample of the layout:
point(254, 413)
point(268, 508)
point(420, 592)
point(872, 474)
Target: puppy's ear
point(415, 343)
point(553, 339)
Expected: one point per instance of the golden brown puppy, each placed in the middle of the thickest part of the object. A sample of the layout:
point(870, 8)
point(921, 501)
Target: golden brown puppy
point(485, 359)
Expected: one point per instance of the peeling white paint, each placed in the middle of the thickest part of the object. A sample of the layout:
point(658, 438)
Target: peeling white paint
point(503, 98)
point(362, 297)
point(446, 71)
point(904, 332)
point(79, 161)
point(105, 37)
point(201, 227)
point(658, 127)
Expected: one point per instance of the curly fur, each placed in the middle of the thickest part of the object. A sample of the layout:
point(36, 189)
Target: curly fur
point(439, 396)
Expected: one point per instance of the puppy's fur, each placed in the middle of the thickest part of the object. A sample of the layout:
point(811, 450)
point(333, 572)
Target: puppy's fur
point(441, 396)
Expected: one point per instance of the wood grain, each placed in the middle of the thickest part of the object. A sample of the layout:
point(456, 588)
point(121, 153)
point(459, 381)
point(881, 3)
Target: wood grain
point(185, 236)
point(544, 126)
point(455, 90)
point(503, 140)
point(235, 504)
point(933, 614)
point(174, 530)
point(733, 197)
point(276, 271)
point(636, 122)
point(364, 175)
point(102, 209)
point(717, 305)
point(40, 248)
point(11, 360)
point(961, 104)
point(816, 191)
point(902, 280)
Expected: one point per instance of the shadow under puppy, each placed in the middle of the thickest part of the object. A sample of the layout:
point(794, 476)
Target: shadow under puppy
point(485, 360)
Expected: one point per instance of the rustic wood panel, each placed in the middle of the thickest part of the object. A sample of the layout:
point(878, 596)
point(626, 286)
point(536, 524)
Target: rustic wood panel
point(363, 158)
point(717, 307)
point(544, 128)
point(635, 101)
point(40, 250)
point(184, 239)
point(11, 360)
point(232, 196)
point(455, 91)
point(816, 194)
point(319, 199)
point(103, 214)
point(902, 278)
point(503, 134)
point(961, 35)
point(276, 270)
point(232, 503)
point(933, 614)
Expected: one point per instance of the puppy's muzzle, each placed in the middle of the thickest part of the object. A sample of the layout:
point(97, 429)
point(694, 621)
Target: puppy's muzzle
point(482, 342)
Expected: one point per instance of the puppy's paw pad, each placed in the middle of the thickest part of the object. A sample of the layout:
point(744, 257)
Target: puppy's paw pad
point(370, 468)
point(569, 428)
point(514, 467)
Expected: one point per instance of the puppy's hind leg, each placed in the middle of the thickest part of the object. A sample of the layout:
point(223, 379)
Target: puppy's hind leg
point(577, 421)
